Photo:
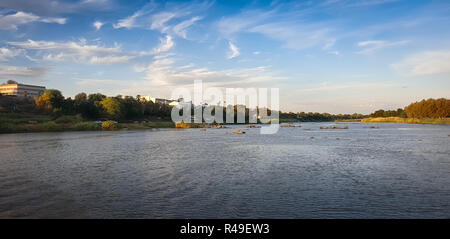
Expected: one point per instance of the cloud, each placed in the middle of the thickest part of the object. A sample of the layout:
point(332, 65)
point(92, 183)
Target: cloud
point(355, 3)
point(166, 18)
point(234, 51)
point(283, 25)
point(295, 36)
point(243, 21)
point(52, 7)
point(181, 28)
point(163, 72)
point(79, 52)
point(6, 54)
point(7, 72)
point(129, 22)
point(375, 45)
point(426, 63)
point(13, 21)
point(98, 25)
point(110, 59)
point(166, 44)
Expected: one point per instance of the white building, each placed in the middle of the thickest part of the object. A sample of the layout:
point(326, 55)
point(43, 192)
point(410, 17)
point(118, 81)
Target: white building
point(22, 90)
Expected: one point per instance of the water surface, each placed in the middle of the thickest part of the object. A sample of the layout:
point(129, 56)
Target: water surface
point(396, 171)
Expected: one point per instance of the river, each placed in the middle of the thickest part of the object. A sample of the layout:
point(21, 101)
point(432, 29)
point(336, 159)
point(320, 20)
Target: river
point(394, 171)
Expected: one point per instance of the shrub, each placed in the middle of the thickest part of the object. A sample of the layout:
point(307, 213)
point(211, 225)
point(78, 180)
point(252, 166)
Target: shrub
point(66, 119)
point(87, 126)
point(109, 125)
point(50, 126)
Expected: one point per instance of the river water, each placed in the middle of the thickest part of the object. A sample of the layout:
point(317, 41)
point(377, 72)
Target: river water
point(395, 171)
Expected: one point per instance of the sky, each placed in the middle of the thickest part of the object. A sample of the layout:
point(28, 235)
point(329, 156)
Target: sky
point(335, 56)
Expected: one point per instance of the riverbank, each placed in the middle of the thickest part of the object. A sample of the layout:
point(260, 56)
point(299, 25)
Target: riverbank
point(27, 123)
point(349, 120)
point(406, 120)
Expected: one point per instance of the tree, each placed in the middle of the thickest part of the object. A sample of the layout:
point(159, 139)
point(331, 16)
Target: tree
point(113, 107)
point(51, 100)
point(96, 97)
point(11, 82)
point(81, 97)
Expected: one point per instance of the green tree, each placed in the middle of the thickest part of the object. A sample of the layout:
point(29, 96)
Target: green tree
point(51, 100)
point(113, 107)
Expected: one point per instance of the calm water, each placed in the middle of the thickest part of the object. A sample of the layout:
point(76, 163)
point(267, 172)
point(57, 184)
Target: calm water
point(398, 170)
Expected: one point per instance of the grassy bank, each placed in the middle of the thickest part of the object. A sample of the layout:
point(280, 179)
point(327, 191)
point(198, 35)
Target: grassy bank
point(23, 123)
point(406, 120)
point(349, 120)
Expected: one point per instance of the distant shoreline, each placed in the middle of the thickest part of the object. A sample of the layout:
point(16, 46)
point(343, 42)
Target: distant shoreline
point(27, 123)
point(444, 121)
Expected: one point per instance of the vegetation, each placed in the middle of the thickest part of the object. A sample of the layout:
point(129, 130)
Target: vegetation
point(431, 111)
point(53, 112)
point(406, 120)
point(87, 126)
point(109, 125)
point(317, 117)
point(431, 108)
point(389, 113)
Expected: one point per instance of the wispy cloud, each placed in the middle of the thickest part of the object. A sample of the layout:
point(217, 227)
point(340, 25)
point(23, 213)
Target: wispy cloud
point(279, 24)
point(375, 45)
point(164, 72)
point(234, 51)
point(129, 22)
point(356, 3)
point(425, 63)
point(13, 21)
point(168, 18)
point(181, 28)
point(165, 45)
point(6, 54)
point(7, 72)
point(52, 7)
point(79, 52)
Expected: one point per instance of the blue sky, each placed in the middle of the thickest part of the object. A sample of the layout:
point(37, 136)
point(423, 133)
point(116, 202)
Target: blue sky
point(337, 56)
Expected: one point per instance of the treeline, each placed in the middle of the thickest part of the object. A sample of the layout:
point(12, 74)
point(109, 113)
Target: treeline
point(319, 117)
point(96, 106)
point(431, 108)
point(92, 106)
point(389, 113)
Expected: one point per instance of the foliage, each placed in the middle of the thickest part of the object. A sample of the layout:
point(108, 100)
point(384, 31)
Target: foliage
point(50, 126)
point(431, 108)
point(109, 125)
point(66, 119)
point(50, 101)
point(13, 104)
point(389, 113)
point(20, 118)
point(113, 107)
point(87, 126)
point(406, 120)
point(319, 117)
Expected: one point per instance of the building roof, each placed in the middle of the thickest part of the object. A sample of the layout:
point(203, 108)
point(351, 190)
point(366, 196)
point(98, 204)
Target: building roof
point(21, 85)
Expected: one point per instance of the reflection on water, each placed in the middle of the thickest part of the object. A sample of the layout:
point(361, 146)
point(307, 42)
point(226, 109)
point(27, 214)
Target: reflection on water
point(398, 171)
